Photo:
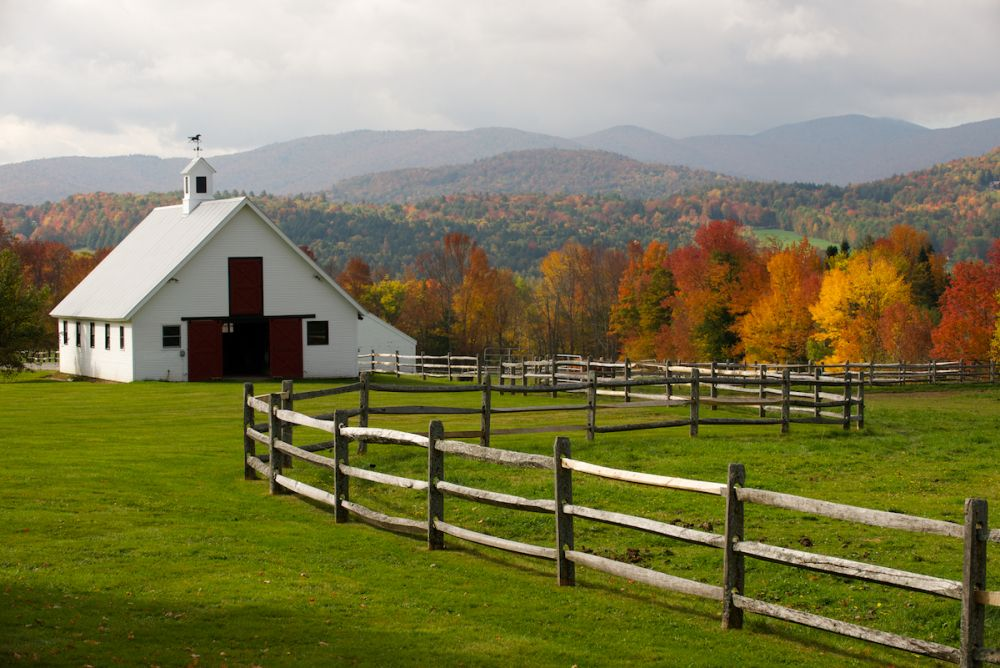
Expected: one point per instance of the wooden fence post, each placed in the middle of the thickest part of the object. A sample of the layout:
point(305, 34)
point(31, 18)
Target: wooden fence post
point(484, 421)
point(374, 362)
point(861, 401)
point(901, 373)
point(565, 569)
point(973, 580)
point(848, 397)
point(448, 364)
point(733, 567)
point(341, 481)
point(555, 371)
point(961, 370)
point(667, 373)
point(871, 370)
point(628, 377)
point(762, 391)
point(933, 365)
point(695, 399)
point(287, 389)
point(275, 457)
point(435, 498)
point(364, 401)
point(479, 371)
point(786, 398)
point(816, 397)
point(713, 388)
point(249, 445)
point(397, 364)
point(524, 376)
point(591, 404)
point(423, 369)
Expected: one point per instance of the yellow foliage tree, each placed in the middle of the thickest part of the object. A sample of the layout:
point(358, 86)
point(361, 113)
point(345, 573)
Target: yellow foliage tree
point(854, 300)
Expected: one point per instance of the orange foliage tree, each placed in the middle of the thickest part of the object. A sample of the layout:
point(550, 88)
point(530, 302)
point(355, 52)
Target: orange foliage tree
point(641, 313)
point(779, 324)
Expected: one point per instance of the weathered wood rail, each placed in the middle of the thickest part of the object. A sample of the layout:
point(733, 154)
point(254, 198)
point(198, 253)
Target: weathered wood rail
point(573, 368)
point(789, 398)
point(970, 590)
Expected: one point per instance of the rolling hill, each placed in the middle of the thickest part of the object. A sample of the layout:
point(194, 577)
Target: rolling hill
point(533, 171)
point(957, 203)
point(838, 150)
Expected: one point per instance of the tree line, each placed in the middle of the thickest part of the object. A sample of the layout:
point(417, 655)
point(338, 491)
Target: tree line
point(724, 296)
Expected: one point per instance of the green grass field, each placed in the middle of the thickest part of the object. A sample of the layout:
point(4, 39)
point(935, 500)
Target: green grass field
point(130, 538)
point(785, 238)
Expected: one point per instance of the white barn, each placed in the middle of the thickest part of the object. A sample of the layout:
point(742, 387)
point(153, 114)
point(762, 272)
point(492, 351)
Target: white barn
point(212, 288)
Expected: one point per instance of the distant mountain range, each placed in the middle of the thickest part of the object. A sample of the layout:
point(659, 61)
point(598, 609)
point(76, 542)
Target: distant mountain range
point(836, 150)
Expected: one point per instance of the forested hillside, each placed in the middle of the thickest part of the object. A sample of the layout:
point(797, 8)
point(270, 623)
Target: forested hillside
point(535, 171)
point(957, 204)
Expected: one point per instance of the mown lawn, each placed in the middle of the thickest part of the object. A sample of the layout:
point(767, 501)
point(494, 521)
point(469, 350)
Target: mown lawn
point(131, 538)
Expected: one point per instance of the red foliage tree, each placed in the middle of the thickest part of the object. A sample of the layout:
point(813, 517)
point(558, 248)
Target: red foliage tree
point(969, 309)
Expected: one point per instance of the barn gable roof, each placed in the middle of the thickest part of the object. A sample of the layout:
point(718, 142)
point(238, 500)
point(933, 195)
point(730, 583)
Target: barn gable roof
point(153, 252)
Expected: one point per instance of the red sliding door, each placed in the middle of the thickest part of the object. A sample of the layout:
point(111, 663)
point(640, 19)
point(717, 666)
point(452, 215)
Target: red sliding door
point(204, 349)
point(285, 338)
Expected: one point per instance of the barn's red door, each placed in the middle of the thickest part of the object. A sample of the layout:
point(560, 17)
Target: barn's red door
point(246, 286)
point(204, 349)
point(285, 337)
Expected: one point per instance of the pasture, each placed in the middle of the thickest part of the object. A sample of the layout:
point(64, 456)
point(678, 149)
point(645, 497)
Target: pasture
point(131, 538)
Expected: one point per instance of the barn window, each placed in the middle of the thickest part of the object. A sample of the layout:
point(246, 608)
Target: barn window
point(93, 334)
point(65, 332)
point(201, 184)
point(121, 337)
point(77, 335)
point(317, 333)
point(107, 336)
point(171, 336)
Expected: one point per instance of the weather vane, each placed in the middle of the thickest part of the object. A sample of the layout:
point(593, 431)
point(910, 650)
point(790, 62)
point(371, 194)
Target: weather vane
point(197, 142)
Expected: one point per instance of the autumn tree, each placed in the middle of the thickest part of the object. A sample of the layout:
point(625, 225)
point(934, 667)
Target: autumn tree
point(969, 309)
point(716, 282)
point(485, 307)
point(356, 277)
point(860, 300)
point(923, 269)
point(779, 324)
point(641, 312)
point(573, 300)
point(422, 315)
point(22, 313)
point(446, 265)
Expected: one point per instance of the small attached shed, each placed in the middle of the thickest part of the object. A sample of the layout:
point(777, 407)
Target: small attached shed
point(209, 289)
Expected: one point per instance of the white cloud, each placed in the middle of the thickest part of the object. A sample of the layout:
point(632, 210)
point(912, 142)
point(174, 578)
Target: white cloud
point(77, 75)
point(42, 140)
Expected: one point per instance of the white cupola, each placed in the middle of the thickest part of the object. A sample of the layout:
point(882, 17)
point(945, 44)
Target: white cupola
point(198, 185)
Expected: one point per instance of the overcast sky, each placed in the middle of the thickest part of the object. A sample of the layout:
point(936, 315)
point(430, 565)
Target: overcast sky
point(114, 77)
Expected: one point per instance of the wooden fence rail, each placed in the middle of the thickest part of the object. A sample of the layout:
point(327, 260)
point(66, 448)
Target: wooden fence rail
point(563, 368)
point(789, 398)
point(970, 590)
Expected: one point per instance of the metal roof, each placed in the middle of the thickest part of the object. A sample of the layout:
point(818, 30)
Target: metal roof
point(146, 259)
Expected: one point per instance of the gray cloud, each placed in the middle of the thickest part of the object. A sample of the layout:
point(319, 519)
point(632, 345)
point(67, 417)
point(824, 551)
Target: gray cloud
point(127, 77)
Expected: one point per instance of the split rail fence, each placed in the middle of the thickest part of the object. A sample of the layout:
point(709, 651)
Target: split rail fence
point(576, 368)
point(738, 499)
point(779, 399)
